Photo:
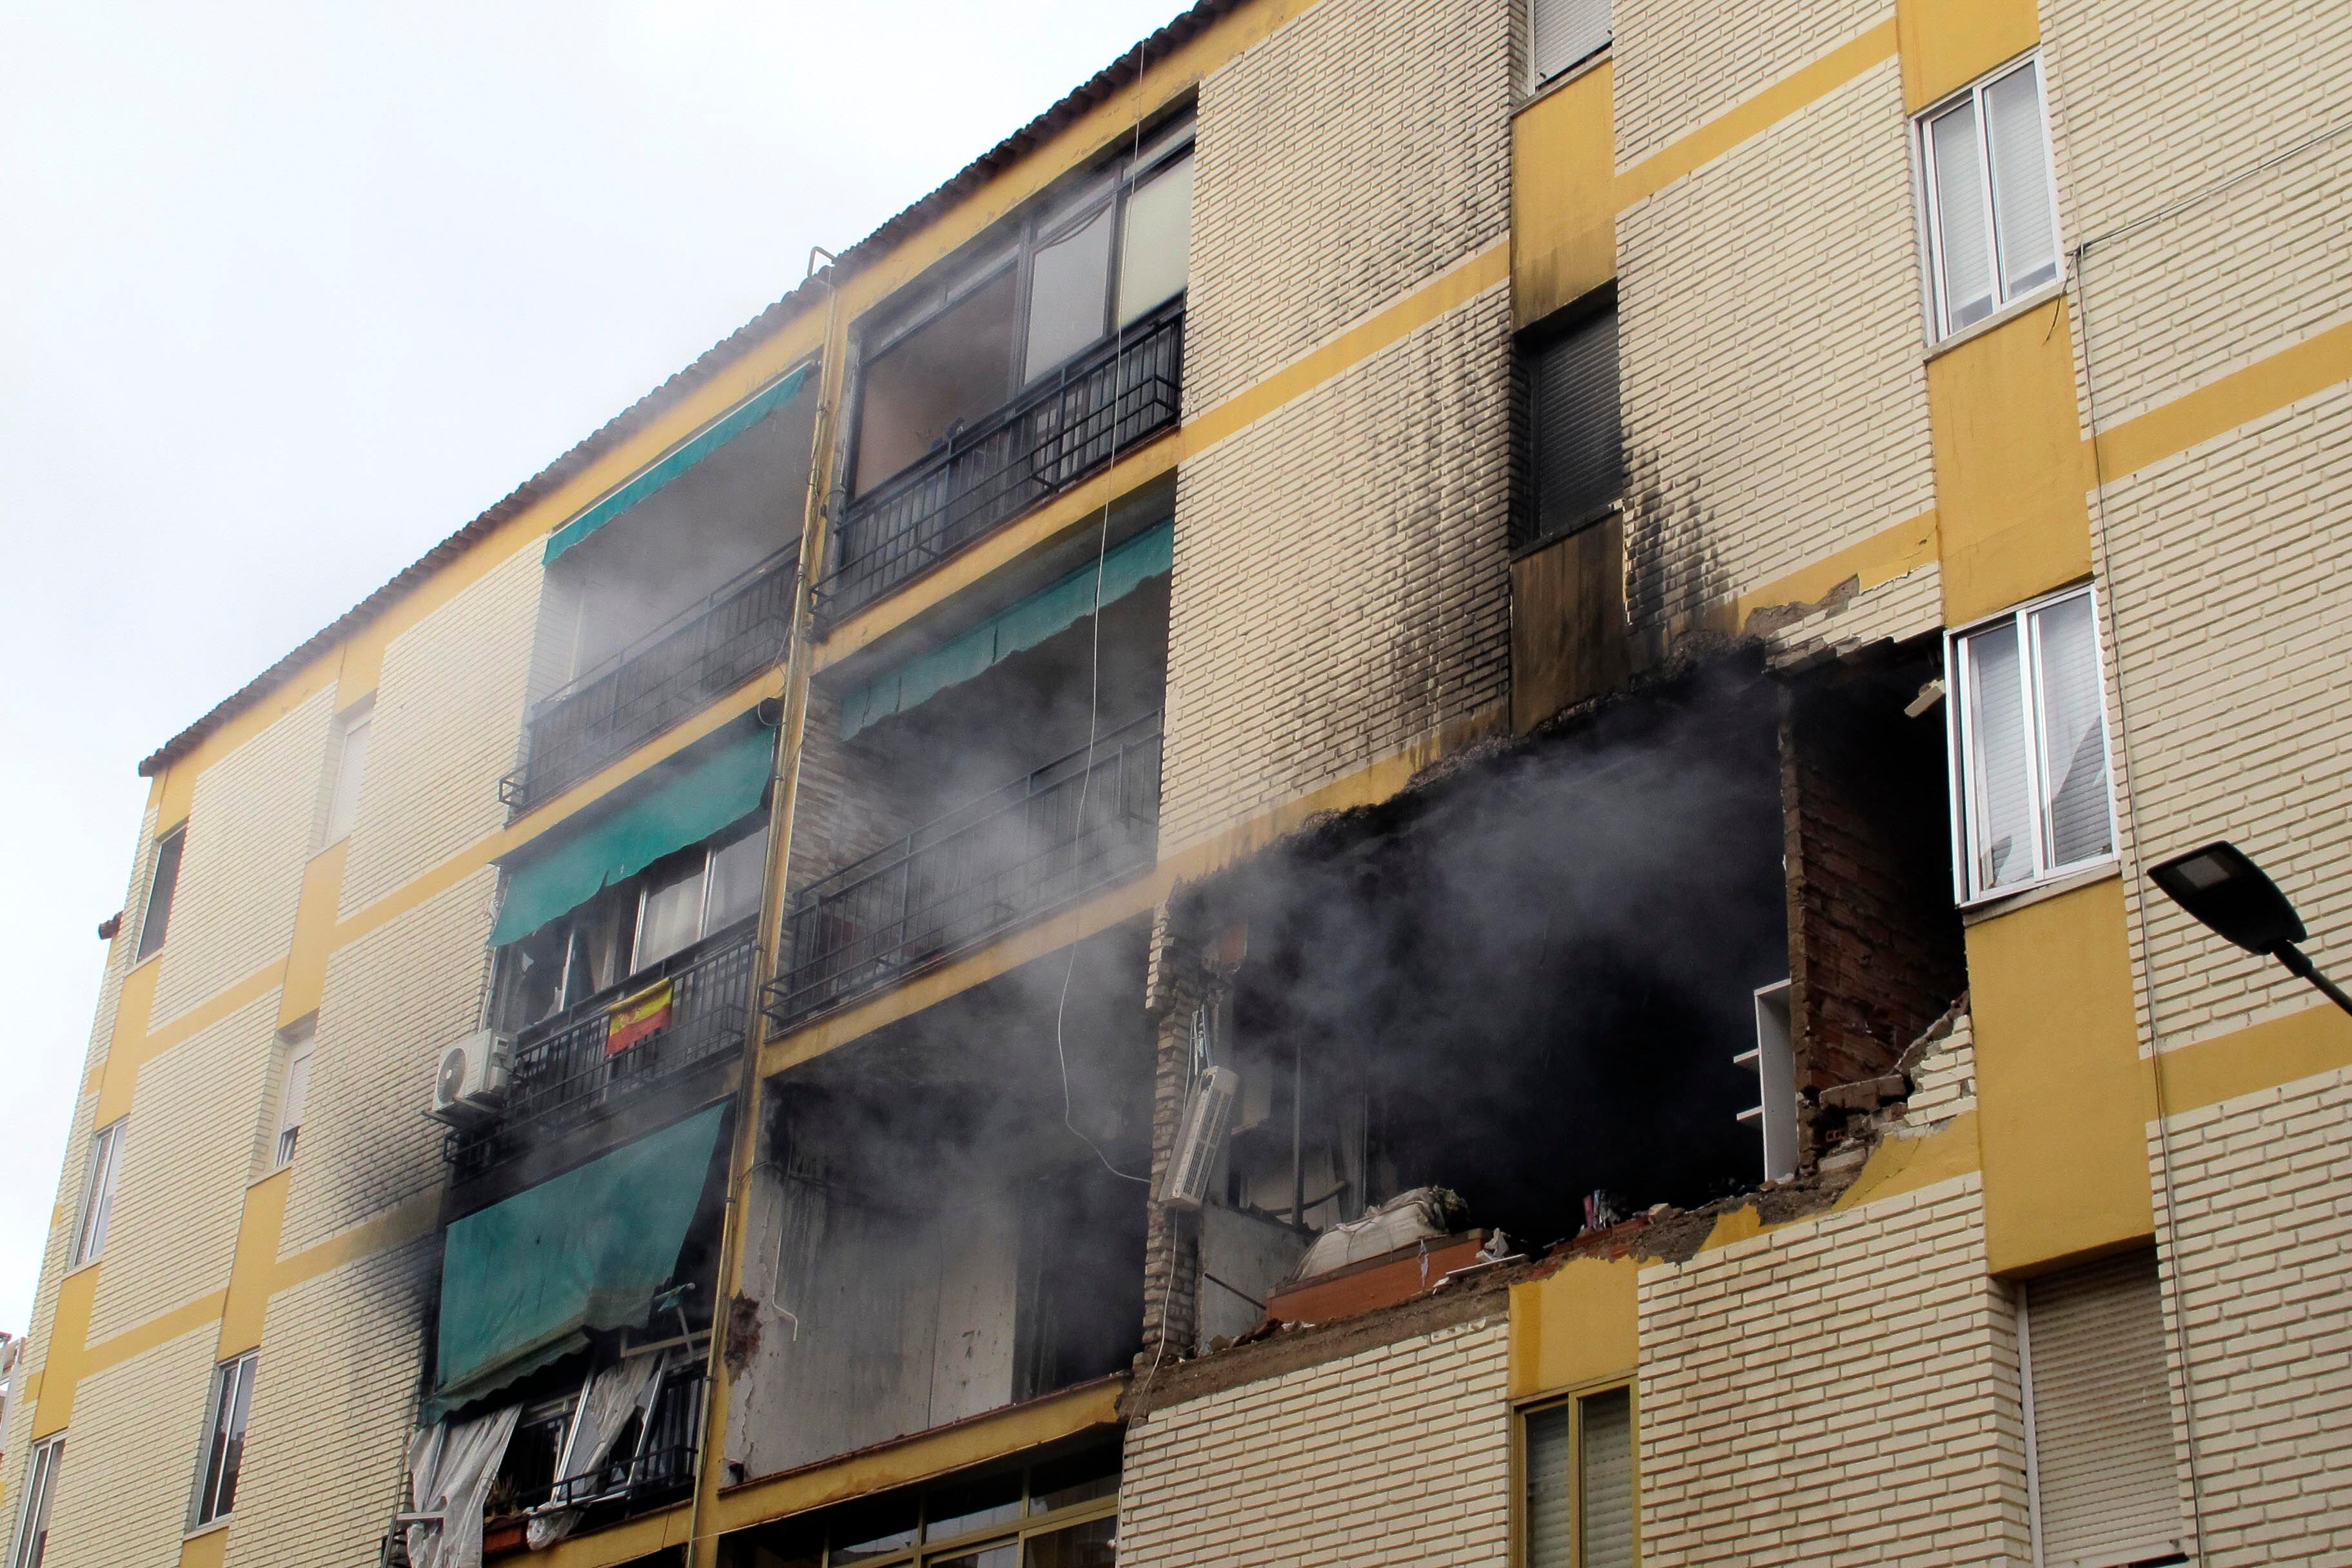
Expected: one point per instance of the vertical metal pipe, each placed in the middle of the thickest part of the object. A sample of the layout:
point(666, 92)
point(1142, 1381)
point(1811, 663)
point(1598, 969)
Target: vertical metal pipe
point(1298, 1134)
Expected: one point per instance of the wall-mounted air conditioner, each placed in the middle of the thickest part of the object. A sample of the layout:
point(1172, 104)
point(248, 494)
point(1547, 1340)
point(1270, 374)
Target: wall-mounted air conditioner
point(1775, 1062)
point(472, 1083)
point(1199, 1136)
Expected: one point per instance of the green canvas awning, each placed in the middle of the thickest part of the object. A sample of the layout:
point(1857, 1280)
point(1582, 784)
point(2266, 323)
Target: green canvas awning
point(679, 460)
point(1149, 554)
point(688, 809)
point(526, 1280)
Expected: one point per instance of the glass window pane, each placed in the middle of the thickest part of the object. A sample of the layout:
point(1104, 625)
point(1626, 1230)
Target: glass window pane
point(98, 1190)
point(1605, 1483)
point(1004, 1554)
point(1080, 1546)
point(159, 888)
point(1999, 794)
point(1081, 1477)
point(2074, 733)
point(873, 1529)
point(738, 873)
point(1551, 1541)
point(349, 770)
point(293, 1099)
point(960, 1511)
point(672, 917)
point(950, 371)
point(2026, 228)
point(1963, 248)
point(1067, 285)
point(1154, 252)
point(40, 1488)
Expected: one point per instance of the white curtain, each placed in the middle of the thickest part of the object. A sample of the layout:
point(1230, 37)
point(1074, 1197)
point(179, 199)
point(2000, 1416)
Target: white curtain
point(450, 1467)
point(614, 1394)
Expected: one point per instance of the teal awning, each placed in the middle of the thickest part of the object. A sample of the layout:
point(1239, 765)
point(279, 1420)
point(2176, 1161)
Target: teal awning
point(526, 1280)
point(677, 463)
point(691, 807)
point(1149, 554)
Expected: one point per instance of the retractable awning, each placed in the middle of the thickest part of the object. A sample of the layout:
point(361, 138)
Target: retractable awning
point(1025, 624)
point(545, 884)
point(526, 1280)
point(674, 466)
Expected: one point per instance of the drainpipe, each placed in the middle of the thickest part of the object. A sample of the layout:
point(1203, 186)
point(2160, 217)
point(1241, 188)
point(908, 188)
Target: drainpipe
point(701, 1549)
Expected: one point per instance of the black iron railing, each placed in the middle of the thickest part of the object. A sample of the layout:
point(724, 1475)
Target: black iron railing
point(655, 1469)
point(1054, 433)
point(1014, 854)
point(561, 1074)
point(668, 674)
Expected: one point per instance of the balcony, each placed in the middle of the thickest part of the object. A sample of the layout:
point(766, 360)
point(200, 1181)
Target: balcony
point(667, 675)
point(1066, 427)
point(562, 1075)
point(1041, 842)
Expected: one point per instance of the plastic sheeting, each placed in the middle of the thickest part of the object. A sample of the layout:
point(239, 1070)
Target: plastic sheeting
point(689, 809)
point(450, 1468)
point(1025, 624)
point(613, 1395)
point(527, 1280)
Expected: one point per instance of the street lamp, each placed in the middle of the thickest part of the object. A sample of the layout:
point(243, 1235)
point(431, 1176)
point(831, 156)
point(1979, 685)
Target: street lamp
point(2229, 894)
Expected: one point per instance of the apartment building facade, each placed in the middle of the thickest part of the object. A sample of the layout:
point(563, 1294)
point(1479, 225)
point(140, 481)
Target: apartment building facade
point(1388, 802)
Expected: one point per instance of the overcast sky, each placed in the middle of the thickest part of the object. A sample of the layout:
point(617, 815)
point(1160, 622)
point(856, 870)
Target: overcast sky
point(288, 293)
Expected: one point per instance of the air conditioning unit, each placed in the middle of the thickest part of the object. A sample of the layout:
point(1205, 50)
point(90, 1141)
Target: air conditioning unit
point(1199, 1137)
point(472, 1083)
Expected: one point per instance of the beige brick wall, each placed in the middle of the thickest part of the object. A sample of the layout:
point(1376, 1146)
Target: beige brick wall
point(2152, 103)
point(1678, 65)
point(395, 999)
point(333, 1401)
point(2260, 1188)
point(1349, 158)
point(1840, 1390)
point(250, 830)
point(1397, 1455)
point(448, 723)
point(1340, 582)
point(2230, 614)
point(131, 1459)
point(1775, 398)
point(184, 1167)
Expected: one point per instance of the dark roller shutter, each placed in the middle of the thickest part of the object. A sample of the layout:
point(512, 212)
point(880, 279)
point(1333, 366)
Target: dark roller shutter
point(1575, 426)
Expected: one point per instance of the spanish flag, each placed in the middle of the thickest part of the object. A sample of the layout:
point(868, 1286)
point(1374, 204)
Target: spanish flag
point(633, 1017)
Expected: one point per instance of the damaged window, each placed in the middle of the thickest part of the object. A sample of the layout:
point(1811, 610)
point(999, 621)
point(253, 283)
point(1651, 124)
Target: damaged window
point(1058, 1513)
point(162, 883)
point(2032, 745)
point(1575, 427)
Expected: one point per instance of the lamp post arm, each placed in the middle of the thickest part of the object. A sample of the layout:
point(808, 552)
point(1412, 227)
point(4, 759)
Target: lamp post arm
point(2303, 968)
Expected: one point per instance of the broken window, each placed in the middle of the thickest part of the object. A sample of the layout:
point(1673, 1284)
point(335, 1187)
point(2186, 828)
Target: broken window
point(163, 882)
point(224, 1455)
point(2031, 740)
point(1059, 1513)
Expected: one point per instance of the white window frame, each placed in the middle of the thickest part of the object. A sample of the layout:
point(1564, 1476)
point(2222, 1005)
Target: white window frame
point(1923, 155)
point(343, 789)
point(100, 1172)
point(1959, 744)
point(146, 948)
point(40, 1494)
point(300, 1044)
point(232, 1388)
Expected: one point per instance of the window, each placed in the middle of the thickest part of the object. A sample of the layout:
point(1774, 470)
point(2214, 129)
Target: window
point(1575, 431)
point(1064, 1513)
point(700, 892)
point(2032, 746)
point(1565, 32)
point(1992, 212)
point(1092, 262)
point(40, 1487)
point(98, 1190)
point(2099, 1457)
point(350, 771)
point(1579, 1504)
point(293, 1091)
point(224, 1455)
point(161, 884)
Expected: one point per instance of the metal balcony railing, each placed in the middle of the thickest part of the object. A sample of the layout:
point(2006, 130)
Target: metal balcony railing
point(562, 1076)
point(1052, 435)
point(1041, 842)
point(667, 675)
point(657, 1468)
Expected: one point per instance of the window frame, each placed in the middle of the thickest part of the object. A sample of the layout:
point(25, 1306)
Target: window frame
point(1573, 1400)
point(232, 1387)
point(1539, 80)
point(101, 1174)
point(343, 809)
point(152, 930)
point(1960, 756)
point(300, 1043)
point(1923, 158)
point(1529, 533)
point(1027, 1522)
point(40, 1496)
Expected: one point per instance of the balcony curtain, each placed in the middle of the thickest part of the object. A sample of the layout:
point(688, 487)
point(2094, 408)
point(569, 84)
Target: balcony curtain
point(694, 804)
point(674, 465)
point(1031, 621)
point(526, 1281)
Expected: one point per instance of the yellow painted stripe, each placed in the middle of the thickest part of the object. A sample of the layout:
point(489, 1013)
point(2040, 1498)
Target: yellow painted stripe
point(1882, 557)
point(2239, 398)
point(1646, 177)
point(1897, 1165)
point(2318, 1039)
